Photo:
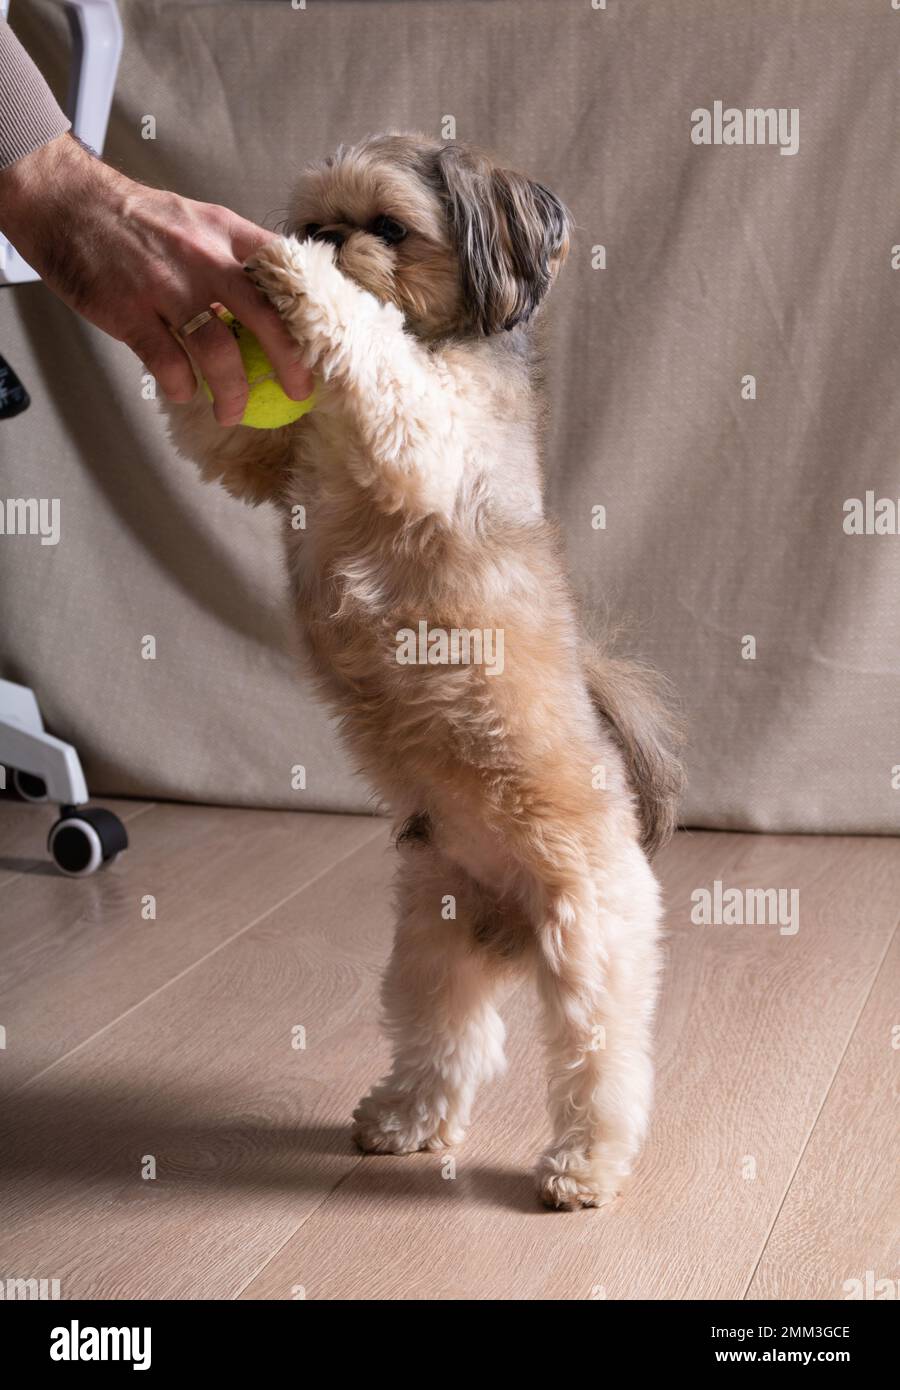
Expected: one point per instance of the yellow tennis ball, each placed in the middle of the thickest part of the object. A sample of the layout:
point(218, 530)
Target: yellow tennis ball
point(268, 407)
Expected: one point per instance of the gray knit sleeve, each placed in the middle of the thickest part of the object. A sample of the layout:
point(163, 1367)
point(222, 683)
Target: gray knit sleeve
point(29, 114)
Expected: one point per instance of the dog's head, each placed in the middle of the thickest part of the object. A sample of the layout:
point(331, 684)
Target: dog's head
point(460, 245)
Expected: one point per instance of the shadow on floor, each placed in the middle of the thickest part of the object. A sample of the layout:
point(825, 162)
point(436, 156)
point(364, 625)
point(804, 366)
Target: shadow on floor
point(29, 866)
point(58, 1142)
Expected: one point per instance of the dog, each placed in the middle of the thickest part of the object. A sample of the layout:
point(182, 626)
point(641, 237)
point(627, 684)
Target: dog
point(528, 794)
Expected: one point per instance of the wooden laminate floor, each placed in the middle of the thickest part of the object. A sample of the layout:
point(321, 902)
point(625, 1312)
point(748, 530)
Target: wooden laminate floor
point(136, 1044)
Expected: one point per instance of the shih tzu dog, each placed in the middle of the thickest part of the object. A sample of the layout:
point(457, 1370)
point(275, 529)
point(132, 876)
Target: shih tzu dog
point(529, 791)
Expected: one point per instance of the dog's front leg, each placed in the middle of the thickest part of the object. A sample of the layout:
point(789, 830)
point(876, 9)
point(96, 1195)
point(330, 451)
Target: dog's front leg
point(406, 422)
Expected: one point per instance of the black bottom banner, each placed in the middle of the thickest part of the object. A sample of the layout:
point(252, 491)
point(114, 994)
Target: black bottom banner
point(234, 1339)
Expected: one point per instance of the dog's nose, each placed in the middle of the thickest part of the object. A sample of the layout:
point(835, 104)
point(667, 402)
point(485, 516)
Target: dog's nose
point(330, 234)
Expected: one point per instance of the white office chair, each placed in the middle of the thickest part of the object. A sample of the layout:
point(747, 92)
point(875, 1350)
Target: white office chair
point(42, 767)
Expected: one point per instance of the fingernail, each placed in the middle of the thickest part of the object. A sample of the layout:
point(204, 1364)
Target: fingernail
point(300, 385)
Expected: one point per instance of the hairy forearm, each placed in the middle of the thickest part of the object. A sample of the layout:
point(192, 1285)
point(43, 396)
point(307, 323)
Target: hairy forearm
point(56, 205)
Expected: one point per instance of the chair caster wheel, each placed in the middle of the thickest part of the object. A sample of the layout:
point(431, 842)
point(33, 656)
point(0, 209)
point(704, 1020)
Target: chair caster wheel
point(83, 840)
point(28, 786)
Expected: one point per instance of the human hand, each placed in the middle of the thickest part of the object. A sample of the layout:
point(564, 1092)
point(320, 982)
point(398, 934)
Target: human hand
point(138, 261)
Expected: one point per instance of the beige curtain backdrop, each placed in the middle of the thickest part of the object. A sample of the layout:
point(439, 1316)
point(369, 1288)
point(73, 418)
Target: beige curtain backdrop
point(724, 516)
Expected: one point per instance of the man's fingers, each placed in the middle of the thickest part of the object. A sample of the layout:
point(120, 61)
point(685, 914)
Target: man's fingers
point(247, 304)
point(164, 356)
point(218, 359)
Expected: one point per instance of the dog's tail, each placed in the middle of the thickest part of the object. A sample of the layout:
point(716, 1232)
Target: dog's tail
point(636, 703)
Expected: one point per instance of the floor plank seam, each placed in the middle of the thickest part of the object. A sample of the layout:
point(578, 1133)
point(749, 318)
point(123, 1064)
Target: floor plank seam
point(201, 960)
point(830, 1087)
point(326, 1197)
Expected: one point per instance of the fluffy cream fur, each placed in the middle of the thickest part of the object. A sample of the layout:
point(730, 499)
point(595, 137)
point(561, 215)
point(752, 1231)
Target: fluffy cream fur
point(527, 797)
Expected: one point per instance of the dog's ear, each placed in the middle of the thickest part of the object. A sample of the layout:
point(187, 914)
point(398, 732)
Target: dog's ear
point(511, 236)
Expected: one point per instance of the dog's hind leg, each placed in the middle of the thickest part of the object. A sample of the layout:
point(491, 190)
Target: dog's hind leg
point(598, 966)
point(438, 997)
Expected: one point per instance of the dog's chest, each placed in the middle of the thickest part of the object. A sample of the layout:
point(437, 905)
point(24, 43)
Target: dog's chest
point(351, 588)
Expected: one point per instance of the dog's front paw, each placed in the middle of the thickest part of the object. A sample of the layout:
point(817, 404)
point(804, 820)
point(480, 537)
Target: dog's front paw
point(399, 1123)
point(567, 1179)
point(282, 269)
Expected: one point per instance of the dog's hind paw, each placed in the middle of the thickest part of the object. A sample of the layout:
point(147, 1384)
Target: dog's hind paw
point(568, 1180)
point(399, 1124)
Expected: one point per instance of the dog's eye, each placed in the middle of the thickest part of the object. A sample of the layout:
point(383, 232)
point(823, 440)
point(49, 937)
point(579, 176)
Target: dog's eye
point(311, 229)
point(388, 229)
